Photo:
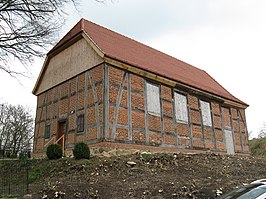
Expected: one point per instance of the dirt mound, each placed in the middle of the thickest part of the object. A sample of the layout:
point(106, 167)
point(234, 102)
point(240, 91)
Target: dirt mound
point(144, 175)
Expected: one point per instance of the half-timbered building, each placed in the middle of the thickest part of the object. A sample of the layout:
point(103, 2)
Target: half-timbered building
point(107, 90)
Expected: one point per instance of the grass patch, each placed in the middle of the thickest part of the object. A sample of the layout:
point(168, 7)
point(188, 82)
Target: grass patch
point(35, 173)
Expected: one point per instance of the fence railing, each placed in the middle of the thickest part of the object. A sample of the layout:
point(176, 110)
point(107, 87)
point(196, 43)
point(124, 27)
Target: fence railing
point(14, 181)
point(52, 140)
point(13, 154)
point(49, 142)
point(63, 142)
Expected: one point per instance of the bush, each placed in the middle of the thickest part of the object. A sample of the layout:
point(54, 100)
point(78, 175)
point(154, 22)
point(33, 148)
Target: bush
point(54, 151)
point(81, 151)
point(258, 146)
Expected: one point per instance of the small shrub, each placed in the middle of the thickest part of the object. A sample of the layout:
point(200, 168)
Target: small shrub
point(54, 151)
point(147, 156)
point(81, 151)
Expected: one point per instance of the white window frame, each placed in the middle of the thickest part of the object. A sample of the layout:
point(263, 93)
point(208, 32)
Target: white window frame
point(206, 113)
point(153, 99)
point(181, 111)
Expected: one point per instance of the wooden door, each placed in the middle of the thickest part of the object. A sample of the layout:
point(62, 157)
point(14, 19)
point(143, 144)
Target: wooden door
point(229, 142)
point(61, 131)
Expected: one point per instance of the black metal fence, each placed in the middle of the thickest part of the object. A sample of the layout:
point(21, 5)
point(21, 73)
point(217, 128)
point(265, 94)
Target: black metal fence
point(14, 176)
point(11, 154)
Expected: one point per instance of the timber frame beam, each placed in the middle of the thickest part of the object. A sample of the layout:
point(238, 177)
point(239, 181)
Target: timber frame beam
point(169, 82)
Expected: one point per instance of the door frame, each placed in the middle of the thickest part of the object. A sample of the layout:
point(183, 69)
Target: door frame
point(228, 129)
point(57, 134)
point(230, 151)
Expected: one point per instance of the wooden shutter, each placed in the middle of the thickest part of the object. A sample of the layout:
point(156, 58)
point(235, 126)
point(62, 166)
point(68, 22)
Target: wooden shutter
point(206, 113)
point(153, 99)
point(181, 107)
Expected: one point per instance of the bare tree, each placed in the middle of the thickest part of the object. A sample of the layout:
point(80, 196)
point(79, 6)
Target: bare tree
point(262, 132)
point(16, 129)
point(27, 28)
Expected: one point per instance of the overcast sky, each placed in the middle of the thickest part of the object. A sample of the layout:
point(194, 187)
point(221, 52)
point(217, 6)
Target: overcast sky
point(223, 37)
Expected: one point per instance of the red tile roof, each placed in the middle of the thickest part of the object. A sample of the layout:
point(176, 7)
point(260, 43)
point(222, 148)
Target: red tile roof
point(124, 49)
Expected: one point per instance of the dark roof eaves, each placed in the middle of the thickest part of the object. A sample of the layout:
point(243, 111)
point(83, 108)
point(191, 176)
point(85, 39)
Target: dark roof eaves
point(62, 44)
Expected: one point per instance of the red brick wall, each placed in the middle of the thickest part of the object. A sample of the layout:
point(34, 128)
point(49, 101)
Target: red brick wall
point(217, 127)
point(68, 100)
point(128, 120)
point(118, 105)
point(163, 130)
point(226, 117)
point(196, 122)
point(95, 103)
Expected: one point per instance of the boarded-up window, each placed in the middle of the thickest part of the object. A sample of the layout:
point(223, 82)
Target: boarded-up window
point(206, 113)
point(47, 132)
point(181, 107)
point(153, 99)
point(80, 123)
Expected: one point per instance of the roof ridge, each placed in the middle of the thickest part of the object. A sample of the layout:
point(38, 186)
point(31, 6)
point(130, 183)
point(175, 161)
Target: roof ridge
point(61, 41)
point(182, 64)
point(143, 44)
point(82, 23)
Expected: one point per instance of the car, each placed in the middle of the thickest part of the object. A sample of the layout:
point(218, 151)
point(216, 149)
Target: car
point(254, 190)
point(259, 181)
